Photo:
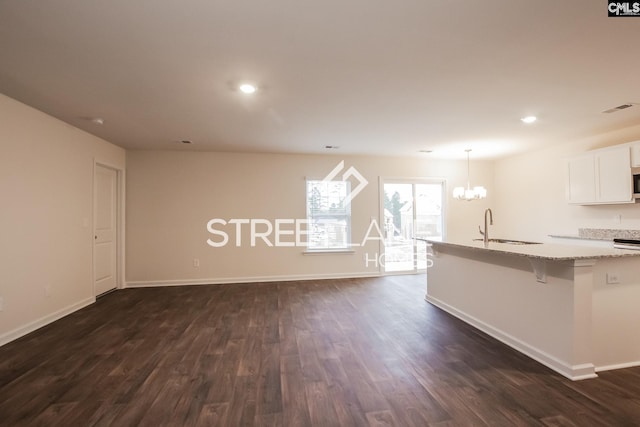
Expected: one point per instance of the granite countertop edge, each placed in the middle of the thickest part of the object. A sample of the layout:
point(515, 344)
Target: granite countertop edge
point(569, 253)
point(576, 237)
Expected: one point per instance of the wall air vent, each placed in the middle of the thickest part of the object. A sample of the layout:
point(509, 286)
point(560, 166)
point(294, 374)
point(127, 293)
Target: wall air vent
point(619, 108)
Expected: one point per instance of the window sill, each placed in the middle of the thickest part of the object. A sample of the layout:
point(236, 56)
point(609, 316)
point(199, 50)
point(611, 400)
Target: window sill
point(330, 252)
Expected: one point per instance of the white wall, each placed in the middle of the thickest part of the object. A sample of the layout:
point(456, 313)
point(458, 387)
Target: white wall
point(172, 195)
point(531, 192)
point(46, 173)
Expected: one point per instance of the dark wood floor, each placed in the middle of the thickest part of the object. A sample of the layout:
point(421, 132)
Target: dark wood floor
point(321, 353)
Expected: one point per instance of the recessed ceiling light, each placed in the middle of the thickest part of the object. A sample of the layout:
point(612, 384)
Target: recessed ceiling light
point(185, 141)
point(425, 151)
point(247, 88)
point(331, 147)
point(97, 121)
point(529, 119)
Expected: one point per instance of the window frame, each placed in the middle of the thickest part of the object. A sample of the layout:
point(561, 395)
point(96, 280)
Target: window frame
point(382, 180)
point(348, 247)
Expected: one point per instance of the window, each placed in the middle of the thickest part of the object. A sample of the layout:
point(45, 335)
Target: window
point(411, 208)
point(328, 215)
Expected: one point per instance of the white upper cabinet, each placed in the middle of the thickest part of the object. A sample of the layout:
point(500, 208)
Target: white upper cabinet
point(582, 179)
point(601, 177)
point(614, 176)
point(635, 155)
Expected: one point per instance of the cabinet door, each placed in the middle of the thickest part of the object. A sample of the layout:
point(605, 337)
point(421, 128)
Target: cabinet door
point(582, 179)
point(614, 175)
point(635, 155)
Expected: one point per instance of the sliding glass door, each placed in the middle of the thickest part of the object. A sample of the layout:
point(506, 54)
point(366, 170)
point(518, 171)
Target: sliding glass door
point(410, 208)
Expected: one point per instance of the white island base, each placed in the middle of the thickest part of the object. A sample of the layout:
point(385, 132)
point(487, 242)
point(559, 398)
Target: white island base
point(557, 309)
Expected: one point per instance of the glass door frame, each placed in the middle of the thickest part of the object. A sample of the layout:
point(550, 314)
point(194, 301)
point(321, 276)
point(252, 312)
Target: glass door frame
point(412, 181)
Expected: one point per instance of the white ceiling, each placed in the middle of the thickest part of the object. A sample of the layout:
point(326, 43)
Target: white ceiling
point(371, 76)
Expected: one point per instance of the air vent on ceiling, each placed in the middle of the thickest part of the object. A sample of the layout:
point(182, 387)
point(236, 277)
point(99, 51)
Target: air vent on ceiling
point(618, 108)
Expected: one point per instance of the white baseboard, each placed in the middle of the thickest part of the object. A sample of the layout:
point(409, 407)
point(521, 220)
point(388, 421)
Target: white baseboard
point(253, 279)
point(43, 321)
point(573, 372)
point(617, 366)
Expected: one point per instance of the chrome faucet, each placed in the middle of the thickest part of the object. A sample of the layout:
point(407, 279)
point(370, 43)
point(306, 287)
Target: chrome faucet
point(485, 233)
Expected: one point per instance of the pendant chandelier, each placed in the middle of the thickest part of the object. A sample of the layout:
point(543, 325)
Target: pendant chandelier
point(469, 193)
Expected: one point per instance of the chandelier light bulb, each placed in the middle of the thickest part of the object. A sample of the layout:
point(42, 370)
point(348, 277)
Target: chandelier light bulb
point(468, 193)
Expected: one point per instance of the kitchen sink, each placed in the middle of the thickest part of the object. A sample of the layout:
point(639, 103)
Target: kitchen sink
point(509, 241)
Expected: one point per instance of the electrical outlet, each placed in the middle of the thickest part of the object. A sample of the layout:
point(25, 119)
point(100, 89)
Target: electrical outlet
point(47, 291)
point(613, 278)
point(617, 219)
point(1, 304)
point(196, 262)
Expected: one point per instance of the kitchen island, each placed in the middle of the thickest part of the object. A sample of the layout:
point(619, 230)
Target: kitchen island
point(555, 303)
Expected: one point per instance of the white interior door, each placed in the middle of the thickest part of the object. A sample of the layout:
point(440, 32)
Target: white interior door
point(105, 247)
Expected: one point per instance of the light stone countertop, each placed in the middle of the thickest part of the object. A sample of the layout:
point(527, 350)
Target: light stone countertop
point(600, 234)
point(577, 237)
point(548, 251)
